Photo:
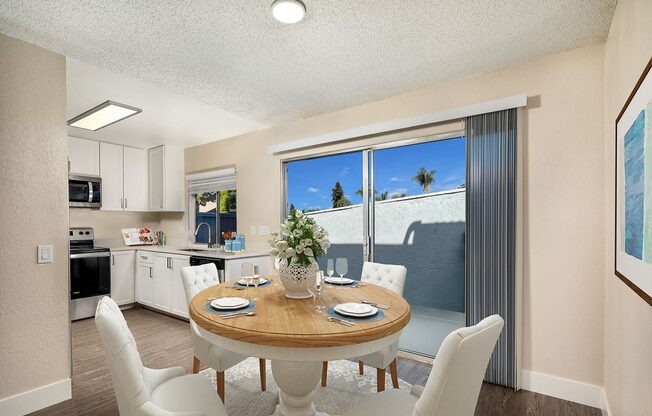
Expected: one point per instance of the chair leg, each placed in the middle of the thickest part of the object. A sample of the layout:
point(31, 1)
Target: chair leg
point(195, 365)
point(263, 374)
point(394, 372)
point(380, 379)
point(220, 384)
point(324, 373)
point(361, 367)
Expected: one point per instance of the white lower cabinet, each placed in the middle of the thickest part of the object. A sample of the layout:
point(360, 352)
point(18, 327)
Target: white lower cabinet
point(145, 278)
point(163, 273)
point(179, 304)
point(122, 277)
point(169, 295)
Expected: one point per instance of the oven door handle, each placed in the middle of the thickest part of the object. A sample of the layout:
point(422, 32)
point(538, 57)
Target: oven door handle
point(89, 255)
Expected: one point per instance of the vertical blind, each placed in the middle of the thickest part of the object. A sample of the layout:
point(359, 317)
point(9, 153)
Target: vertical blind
point(491, 234)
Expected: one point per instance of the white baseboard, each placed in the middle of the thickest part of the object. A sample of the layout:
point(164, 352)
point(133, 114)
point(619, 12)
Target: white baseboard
point(606, 410)
point(36, 399)
point(564, 388)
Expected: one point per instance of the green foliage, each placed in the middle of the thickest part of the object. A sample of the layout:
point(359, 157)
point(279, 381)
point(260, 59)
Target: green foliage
point(337, 196)
point(383, 196)
point(425, 178)
point(202, 199)
point(293, 210)
point(228, 201)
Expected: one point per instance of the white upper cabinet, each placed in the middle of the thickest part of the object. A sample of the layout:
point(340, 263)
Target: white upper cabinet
point(166, 179)
point(135, 179)
point(111, 171)
point(84, 156)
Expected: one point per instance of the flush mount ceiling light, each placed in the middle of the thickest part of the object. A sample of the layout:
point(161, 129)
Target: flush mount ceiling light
point(105, 114)
point(288, 11)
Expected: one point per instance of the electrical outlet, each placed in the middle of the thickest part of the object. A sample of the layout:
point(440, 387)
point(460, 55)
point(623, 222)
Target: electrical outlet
point(252, 230)
point(43, 254)
point(263, 229)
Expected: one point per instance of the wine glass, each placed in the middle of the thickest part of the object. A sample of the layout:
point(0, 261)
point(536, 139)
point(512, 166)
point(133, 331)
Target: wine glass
point(330, 269)
point(256, 276)
point(315, 289)
point(341, 266)
point(277, 268)
point(246, 273)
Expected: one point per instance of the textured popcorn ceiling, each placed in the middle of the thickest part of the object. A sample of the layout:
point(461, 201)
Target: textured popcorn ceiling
point(232, 53)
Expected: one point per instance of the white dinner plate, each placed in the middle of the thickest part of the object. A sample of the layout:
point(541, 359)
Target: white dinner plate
point(243, 282)
point(338, 280)
point(230, 303)
point(356, 309)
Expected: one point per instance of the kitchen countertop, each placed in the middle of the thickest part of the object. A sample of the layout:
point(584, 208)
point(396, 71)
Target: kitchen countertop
point(179, 250)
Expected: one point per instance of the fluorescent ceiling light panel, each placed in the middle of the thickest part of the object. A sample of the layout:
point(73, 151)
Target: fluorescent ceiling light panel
point(105, 114)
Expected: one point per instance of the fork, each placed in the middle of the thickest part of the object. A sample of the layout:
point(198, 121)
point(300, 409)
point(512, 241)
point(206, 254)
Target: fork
point(341, 321)
point(377, 305)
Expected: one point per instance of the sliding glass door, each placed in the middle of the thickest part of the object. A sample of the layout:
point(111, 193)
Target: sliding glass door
point(419, 222)
point(329, 189)
point(396, 204)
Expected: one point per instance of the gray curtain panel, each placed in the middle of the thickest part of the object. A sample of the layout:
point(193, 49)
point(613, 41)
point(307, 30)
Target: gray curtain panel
point(491, 233)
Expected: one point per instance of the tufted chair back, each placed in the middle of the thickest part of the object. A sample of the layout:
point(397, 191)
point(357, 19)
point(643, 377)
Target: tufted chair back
point(127, 373)
point(389, 276)
point(454, 383)
point(197, 278)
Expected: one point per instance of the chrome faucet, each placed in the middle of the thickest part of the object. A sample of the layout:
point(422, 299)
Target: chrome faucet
point(210, 243)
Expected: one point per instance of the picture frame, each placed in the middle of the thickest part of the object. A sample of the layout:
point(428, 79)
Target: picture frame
point(633, 189)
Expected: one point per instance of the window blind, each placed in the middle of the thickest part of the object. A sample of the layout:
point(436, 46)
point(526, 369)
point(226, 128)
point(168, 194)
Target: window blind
point(217, 180)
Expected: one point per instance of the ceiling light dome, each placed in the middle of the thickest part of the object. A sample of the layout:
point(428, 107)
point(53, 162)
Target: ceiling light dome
point(288, 11)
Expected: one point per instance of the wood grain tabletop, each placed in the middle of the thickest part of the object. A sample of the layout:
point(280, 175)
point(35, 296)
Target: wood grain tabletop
point(284, 322)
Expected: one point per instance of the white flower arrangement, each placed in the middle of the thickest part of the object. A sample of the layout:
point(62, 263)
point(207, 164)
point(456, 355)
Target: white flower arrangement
point(300, 240)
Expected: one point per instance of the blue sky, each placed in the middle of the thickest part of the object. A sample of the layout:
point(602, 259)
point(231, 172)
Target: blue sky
point(310, 181)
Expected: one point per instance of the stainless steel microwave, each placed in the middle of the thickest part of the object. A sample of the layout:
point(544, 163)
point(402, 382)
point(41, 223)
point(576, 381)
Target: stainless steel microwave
point(84, 191)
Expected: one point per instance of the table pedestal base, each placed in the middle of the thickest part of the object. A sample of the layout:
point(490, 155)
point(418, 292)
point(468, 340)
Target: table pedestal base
point(296, 382)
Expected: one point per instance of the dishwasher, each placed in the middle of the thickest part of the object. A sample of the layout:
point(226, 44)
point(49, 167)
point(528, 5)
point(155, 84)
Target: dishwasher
point(219, 264)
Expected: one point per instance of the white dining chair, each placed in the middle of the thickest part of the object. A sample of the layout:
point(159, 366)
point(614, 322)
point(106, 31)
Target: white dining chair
point(390, 277)
point(142, 391)
point(455, 380)
point(195, 279)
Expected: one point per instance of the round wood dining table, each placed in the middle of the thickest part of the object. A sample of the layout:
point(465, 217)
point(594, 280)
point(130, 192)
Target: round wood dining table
point(295, 337)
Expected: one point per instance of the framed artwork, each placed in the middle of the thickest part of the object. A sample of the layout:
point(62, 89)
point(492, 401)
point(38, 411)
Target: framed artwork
point(633, 243)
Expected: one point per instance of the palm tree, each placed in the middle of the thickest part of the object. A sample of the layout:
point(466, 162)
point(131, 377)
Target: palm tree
point(425, 178)
point(383, 196)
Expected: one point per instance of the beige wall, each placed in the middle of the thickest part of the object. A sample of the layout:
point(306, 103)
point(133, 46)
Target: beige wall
point(34, 325)
point(564, 192)
point(628, 318)
point(107, 224)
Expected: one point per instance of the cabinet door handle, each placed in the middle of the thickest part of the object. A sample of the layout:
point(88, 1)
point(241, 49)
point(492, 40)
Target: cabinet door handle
point(125, 203)
point(161, 204)
point(169, 263)
point(122, 204)
point(113, 260)
point(150, 273)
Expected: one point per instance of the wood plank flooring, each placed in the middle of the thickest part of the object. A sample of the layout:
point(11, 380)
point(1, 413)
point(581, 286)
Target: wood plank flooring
point(164, 341)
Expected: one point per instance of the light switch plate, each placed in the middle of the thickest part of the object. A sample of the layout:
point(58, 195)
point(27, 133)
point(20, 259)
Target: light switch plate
point(43, 254)
point(252, 230)
point(263, 229)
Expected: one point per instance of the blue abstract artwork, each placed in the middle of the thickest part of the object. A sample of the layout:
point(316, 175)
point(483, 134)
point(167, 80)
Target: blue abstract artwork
point(634, 158)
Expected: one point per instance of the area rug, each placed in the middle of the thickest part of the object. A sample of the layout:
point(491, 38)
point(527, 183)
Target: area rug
point(345, 388)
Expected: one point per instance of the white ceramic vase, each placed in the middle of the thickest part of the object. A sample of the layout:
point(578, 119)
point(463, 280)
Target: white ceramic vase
point(296, 278)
